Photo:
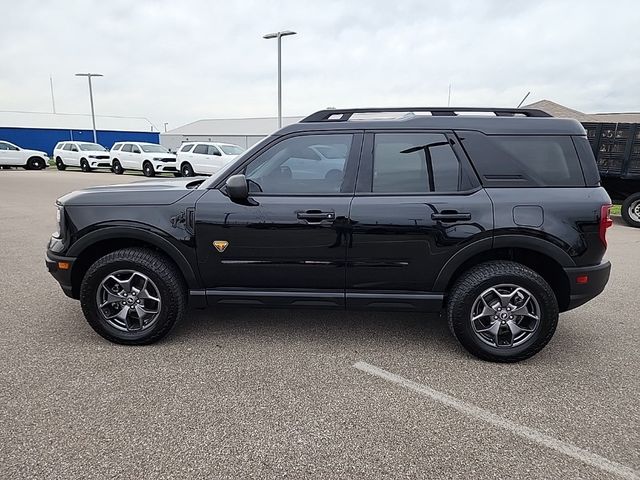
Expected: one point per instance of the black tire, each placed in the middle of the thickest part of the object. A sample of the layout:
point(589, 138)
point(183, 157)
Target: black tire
point(36, 163)
point(116, 167)
point(478, 279)
point(84, 165)
point(631, 210)
point(147, 169)
point(60, 164)
point(187, 170)
point(170, 286)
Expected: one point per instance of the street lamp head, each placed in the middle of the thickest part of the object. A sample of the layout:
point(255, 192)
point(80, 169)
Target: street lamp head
point(279, 34)
point(89, 75)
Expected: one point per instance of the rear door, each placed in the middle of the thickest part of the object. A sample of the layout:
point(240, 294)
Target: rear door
point(10, 155)
point(417, 203)
point(287, 244)
point(125, 156)
point(199, 158)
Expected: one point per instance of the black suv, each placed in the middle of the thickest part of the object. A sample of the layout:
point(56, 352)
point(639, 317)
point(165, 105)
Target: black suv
point(496, 215)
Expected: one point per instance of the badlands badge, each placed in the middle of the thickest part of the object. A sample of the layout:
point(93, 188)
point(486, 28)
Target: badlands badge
point(221, 245)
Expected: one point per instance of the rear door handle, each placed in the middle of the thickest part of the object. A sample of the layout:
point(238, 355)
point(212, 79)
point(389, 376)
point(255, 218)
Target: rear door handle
point(450, 216)
point(316, 215)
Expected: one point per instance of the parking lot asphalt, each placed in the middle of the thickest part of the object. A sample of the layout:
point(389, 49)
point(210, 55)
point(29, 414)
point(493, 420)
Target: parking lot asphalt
point(248, 393)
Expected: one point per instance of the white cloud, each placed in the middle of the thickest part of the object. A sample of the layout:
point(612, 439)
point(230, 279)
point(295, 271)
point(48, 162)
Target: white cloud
point(178, 61)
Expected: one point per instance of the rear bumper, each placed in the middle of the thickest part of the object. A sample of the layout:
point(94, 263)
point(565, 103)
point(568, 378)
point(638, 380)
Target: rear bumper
point(581, 293)
point(63, 276)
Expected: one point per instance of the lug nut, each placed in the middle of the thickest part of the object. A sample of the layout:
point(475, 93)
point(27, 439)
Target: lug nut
point(510, 316)
point(134, 294)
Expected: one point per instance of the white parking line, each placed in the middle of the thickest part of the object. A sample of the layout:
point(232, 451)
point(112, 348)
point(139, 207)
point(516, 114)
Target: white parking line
point(497, 421)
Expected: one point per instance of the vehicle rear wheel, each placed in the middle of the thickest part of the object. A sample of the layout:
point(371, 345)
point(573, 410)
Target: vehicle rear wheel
point(60, 164)
point(631, 210)
point(502, 311)
point(133, 296)
point(116, 167)
point(187, 170)
point(84, 165)
point(147, 169)
point(36, 163)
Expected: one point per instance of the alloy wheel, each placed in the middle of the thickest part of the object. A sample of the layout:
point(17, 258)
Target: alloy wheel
point(505, 316)
point(128, 300)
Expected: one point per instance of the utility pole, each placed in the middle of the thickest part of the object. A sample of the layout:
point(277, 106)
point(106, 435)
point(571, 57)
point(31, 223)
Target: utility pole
point(93, 115)
point(279, 36)
point(53, 99)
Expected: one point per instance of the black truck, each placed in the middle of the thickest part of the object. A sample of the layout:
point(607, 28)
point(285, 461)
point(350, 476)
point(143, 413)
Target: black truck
point(616, 147)
point(496, 216)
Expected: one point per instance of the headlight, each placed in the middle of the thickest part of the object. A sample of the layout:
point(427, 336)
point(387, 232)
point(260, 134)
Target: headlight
point(59, 221)
point(92, 156)
point(155, 159)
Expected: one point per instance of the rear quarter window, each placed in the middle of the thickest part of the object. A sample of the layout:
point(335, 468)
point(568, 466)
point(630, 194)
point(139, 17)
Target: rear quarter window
point(524, 160)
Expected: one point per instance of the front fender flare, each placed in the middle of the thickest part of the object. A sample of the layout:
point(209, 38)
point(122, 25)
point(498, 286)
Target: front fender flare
point(129, 232)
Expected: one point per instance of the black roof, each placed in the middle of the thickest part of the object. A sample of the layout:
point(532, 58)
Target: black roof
point(498, 120)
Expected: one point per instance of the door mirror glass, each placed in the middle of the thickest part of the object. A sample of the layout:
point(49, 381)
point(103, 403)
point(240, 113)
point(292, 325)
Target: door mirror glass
point(74, 148)
point(135, 150)
point(237, 188)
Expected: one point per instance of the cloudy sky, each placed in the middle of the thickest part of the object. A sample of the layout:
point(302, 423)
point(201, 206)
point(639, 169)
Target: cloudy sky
point(179, 61)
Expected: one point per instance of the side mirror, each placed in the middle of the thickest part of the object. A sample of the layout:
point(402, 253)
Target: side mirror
point(237, 188)
point(217, 153)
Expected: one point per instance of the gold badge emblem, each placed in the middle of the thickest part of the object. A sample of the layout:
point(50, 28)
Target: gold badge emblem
point(221, 245)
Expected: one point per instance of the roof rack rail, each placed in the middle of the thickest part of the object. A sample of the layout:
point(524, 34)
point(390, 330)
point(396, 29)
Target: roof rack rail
point(344, 114)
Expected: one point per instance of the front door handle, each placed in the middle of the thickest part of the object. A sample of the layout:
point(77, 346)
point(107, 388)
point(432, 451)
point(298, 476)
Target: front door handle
point(450, 216)
point(316, 215)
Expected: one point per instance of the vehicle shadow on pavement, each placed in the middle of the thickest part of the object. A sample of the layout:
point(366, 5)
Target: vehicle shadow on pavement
point(420, 330)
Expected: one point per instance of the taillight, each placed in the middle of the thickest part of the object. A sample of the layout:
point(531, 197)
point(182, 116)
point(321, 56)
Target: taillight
point(605, 222)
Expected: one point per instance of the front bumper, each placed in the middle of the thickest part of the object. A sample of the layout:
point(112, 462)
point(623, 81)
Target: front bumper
point(597, 277)
point(165, 166)
point(63, 276)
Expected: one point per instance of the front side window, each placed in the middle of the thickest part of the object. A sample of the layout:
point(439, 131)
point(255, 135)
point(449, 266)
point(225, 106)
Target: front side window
point(187, 147)
point(4, 146)
point(200, 149)
point(212, 150)
point(304, 164)
point(414, 163)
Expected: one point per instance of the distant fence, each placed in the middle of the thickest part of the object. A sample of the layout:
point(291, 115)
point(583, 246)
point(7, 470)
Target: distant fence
point(46, 138)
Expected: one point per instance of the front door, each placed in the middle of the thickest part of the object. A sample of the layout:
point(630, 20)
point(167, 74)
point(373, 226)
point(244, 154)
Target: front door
point(288, 244)
point(417, 203)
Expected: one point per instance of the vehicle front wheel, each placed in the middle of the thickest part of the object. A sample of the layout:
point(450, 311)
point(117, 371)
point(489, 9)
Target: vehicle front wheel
point(187, 170)
point(631, 210)
point(133, 296)
point(147, 169)
point(116, 167)
point(60, 164)
point(35, 163)
point(84, 165)
point(502, 311)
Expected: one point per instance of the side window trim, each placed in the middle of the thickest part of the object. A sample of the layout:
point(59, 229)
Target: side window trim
point(468, 181)
point(351, 165)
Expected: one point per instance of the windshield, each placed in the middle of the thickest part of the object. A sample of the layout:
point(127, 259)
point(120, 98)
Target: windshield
point(154, 149)
point(213, 179)
point(92, 147)
point(231, 149)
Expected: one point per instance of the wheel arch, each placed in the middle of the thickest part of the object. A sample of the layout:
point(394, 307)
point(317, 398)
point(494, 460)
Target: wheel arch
point(546, 259)
point(101, 242)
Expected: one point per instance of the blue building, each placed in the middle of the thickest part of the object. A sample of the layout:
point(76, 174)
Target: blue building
point(41, 131)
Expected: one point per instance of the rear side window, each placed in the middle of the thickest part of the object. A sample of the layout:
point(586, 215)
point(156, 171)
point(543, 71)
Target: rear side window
point(201, 149)
point(414, 163)
point(127, 147)
point(116, 146)
point(187, 147)
point(67, 146)
point(524, 160)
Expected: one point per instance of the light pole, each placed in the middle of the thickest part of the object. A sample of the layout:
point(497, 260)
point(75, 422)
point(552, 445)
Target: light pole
point(93, 115)
point(279, 36)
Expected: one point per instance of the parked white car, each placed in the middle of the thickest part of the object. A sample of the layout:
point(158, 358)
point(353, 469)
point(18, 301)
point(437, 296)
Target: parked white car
point(12, 155)
point(86, 155)
point(205, 158)
point(150, 158)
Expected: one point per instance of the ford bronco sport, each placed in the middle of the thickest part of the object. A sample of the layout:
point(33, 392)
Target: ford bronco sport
point(495, 215)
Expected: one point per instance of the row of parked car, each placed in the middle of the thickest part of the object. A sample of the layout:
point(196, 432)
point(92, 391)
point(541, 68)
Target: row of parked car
point(192, 158)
